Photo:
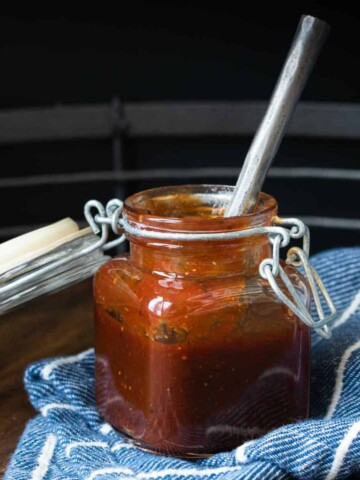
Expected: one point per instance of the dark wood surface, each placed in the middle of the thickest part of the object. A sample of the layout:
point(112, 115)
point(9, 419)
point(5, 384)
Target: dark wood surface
point(58, 324)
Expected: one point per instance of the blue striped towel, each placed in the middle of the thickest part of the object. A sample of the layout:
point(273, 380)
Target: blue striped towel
point(69, 440)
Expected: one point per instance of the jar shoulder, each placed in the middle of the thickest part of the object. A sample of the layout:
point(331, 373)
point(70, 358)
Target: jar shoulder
point(122, 274)
point(163, 304)
point(120, 277)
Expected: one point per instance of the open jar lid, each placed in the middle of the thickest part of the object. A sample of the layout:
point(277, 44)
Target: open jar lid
point(46, 260)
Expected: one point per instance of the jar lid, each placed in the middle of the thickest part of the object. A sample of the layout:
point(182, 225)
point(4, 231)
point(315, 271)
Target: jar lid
point(46, 260)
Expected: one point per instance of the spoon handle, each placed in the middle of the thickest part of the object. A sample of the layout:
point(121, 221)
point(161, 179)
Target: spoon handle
point(306, 46)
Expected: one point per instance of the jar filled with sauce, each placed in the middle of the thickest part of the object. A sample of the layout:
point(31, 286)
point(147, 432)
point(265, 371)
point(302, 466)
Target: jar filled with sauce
point(194, 352)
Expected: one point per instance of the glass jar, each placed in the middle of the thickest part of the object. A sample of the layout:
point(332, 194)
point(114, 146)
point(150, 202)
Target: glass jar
point(194, 353)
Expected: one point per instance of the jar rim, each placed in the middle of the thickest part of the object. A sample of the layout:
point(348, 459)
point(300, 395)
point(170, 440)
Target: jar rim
point(141, 208)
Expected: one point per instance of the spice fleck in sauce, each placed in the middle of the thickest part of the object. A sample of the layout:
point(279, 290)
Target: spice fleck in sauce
point(194, 354)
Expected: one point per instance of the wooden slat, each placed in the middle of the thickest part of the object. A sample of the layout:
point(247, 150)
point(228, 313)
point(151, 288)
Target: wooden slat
point(57, 123)
point(335, 120)
point(240, 118)
point(331, 222)
point(173, 174)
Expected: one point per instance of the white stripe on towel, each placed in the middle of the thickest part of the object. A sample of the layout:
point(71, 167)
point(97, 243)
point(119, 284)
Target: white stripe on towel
point(120, 445)
point(109, 470)
point(340, 378)
point(50, 406)
point(46, 371)
point(240, 455)
point(342, 450)
point(350, 310)
point(45, 457)
point(174, 472)
point(106, 428)
point(72, 445)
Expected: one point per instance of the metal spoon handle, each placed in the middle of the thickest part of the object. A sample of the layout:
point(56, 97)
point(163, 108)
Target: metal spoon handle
point(306, 46)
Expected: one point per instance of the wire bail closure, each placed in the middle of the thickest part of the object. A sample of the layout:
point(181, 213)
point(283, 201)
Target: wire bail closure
point(280, 234)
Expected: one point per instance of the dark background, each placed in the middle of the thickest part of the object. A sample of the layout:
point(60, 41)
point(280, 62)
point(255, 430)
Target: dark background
point(166, 51)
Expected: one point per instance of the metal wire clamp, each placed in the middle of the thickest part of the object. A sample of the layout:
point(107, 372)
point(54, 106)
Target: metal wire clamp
point(280, 234)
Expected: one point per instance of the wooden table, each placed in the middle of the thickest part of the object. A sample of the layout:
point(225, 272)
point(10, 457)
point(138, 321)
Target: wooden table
point(58, 324)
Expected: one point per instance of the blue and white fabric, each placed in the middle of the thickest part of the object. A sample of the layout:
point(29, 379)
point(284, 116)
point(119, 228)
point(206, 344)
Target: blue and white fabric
point(69, 440)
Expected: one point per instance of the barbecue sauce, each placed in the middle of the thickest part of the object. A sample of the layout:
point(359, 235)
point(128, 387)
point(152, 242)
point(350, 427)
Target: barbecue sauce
point(194, 353)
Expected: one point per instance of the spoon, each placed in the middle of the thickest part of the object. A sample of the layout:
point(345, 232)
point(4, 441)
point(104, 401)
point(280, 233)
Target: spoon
point(306, 46)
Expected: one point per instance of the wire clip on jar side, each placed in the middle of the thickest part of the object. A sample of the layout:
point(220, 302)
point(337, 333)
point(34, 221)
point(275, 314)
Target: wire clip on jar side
point(280, 234)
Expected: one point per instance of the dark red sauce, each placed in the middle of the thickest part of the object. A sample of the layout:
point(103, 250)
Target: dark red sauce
point(194, 354)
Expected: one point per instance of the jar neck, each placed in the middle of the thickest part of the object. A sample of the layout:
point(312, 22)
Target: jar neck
point(196, 208)
point(200, 258)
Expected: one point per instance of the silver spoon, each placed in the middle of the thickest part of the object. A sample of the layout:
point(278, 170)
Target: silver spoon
point(306, 46)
